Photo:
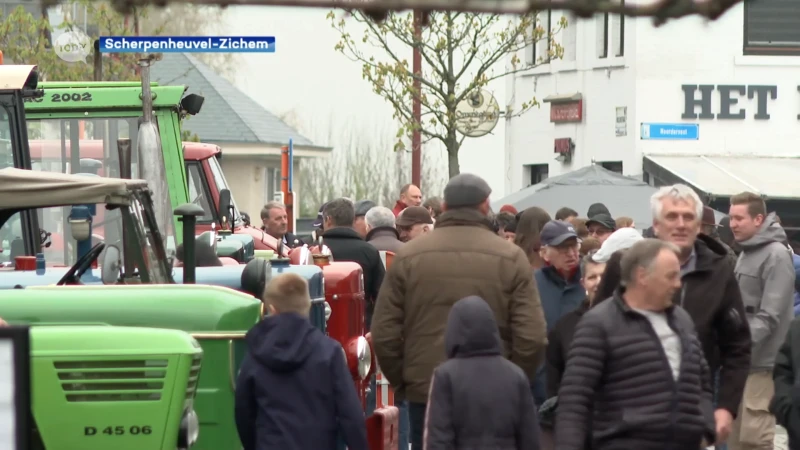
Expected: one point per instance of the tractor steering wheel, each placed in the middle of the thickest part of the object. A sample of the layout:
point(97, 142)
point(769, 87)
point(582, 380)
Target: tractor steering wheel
point(82, 265)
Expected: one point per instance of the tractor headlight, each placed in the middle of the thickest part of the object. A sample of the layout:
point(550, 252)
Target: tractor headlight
point(364, 355)
point(189, 430)
point(327, 311)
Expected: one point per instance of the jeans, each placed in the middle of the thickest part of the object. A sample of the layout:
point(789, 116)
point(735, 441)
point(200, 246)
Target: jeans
point(416, 421)
point(538, 389)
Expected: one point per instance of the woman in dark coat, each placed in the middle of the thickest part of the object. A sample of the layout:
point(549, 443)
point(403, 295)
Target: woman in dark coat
point(529, 224)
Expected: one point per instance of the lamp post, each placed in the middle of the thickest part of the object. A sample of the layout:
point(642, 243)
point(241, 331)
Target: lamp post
point(416, 107)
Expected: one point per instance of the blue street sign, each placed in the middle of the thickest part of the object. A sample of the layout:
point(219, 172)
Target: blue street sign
point(671, 131)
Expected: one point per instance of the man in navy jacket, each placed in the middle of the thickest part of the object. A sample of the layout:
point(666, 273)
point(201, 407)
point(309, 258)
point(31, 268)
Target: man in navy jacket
point(294, 391)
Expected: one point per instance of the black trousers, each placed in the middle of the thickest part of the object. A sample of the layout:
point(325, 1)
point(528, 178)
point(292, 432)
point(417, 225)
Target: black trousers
point(416, 421)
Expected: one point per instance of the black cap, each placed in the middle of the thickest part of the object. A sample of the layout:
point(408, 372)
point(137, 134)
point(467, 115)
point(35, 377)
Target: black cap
point(555, 232)
point(318, 223)
point(603, 220)
point(362, 206)
point(465, 190)
point(597, 208)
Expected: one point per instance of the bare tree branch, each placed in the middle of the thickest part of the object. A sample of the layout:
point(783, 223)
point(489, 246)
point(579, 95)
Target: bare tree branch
point(460, 51)
point(660, 10)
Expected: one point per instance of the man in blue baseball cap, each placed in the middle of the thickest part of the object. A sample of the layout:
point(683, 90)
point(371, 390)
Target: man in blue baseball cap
point(559, 282)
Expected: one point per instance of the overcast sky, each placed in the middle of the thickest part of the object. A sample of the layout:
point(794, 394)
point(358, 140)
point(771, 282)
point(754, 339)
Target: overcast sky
point(306, 75)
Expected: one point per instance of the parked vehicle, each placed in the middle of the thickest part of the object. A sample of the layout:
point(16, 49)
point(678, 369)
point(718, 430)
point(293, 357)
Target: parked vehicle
point(122, 269)
point(100, 387)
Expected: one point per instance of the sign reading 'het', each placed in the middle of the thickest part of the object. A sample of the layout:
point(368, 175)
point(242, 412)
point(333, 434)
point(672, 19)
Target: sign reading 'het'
point(735, 100)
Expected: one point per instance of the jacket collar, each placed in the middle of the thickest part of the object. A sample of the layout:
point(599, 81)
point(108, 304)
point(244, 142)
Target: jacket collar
point(553, 274)
point(343, 233)
point(708, 252)
point(383, 232)
point(622, 305)
point(469, 217)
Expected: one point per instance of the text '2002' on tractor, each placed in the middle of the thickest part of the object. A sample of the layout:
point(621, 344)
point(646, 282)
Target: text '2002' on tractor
point(223, 342)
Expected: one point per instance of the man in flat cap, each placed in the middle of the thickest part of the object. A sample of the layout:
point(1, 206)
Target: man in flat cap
point(461, 257)
point(601, 226)
point(413, 222)
point(360, 225)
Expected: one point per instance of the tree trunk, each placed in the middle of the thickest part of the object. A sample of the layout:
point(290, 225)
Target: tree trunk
point(452, 146)
point(47, 34)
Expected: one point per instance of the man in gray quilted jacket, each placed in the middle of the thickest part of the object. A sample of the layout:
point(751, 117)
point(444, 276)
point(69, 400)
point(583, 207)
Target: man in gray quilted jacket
point(766, 279)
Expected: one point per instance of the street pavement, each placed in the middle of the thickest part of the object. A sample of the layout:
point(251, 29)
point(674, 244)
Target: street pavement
point(781, 439)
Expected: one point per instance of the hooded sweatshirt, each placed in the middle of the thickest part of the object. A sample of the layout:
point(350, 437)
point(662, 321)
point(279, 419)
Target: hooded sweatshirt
point(478, 399)
point(294, 390)
point(766, 279)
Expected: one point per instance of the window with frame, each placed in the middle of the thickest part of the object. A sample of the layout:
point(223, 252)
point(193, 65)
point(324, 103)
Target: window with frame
point(541, 48)
point(614, 166)
point(610, 33)
point(618, 33)
point(536, 173)
point(772, 27)
point(601, 27)
point(198, 193)
point(569, 37)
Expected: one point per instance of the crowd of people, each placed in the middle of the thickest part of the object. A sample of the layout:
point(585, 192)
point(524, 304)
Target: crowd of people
point(518, 330)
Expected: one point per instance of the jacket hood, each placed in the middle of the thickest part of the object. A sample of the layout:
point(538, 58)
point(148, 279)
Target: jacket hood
point(770, 231)
point(472, 330)
point(712, 244)
point(282, 342)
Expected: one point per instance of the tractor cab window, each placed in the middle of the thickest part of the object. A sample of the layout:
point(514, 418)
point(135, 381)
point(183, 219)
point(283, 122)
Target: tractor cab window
point(219, 180)
point(198, 192)
point(51, 143)
point(6, 150)
point(55, 235)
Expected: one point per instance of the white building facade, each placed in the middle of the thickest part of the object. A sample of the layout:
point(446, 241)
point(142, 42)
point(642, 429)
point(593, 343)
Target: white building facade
point(690, 99)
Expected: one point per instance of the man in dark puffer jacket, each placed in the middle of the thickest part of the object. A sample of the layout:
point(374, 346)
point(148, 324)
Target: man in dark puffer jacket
point(636, 371)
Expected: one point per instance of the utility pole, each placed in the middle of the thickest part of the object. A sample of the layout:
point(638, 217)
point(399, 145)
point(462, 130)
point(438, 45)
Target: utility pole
point(416, 107)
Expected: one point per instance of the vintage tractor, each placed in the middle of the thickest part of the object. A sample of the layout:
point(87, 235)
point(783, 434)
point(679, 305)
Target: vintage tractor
point(29, 258)
point(99, 387)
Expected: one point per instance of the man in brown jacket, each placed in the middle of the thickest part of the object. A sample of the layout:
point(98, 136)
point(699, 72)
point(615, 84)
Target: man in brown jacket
point(461, 257)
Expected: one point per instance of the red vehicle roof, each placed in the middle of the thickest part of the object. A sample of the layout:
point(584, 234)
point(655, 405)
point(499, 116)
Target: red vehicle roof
point(198, 151)
point(51, 149)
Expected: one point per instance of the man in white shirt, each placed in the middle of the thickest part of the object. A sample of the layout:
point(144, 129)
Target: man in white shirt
point(636, 375)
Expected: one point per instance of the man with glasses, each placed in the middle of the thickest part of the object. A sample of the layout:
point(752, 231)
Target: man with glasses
point(559, 282)
point(601, 226)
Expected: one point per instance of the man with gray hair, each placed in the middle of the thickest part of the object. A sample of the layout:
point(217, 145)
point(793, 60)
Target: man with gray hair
point(711, 296)
point(346, 244)
point(637, 353)
point(559, 284)
point(275, 222)
point(381, 231)
point(461, 257)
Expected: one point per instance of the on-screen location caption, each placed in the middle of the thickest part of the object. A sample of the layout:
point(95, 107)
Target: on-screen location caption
point(187, 44)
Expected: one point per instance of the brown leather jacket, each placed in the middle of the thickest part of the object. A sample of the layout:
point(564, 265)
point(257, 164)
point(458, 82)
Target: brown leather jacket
point(460, 258)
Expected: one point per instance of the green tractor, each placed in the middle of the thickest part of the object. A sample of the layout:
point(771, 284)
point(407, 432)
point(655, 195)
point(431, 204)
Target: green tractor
point(99, 387)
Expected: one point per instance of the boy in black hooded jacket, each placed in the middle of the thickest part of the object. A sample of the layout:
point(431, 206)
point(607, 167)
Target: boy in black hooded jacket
point(294, 391)
point(478, 399)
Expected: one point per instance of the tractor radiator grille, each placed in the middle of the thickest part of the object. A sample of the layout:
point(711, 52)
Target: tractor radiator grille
point(112, 381)
point(194, 376)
